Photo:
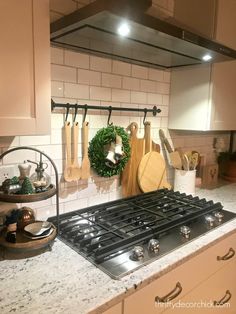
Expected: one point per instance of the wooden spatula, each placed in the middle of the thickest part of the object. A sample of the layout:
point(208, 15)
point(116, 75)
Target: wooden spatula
point(75, 168)
point(85, 166)
point(68, 164)
point(174, 155)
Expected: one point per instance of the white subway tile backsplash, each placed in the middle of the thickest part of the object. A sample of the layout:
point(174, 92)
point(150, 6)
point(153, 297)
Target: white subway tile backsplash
point(111, 80)
point(75, 205)
point(76, 59)
point(121, 68)
point(63, 73)
point(98, 199)
point(163, 88)
point(138, 97)
point(76, 91)
point(81, 78)
point(120, 95)
point(139, 72)
point(155, 75)
point(154, 99)
point(19, 156)
point(165, 100)
point(131, 83)
point(57, 55)
point(57, 89)
point(148, 86)
point(89, 77)
point(100, 93)
point(34, 140)
point(167, 76)
point(100, 64)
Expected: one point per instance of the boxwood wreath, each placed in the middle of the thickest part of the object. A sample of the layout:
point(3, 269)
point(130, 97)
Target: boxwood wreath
point(99, 147)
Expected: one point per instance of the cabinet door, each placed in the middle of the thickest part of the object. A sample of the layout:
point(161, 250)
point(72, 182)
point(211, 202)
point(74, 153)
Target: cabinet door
point(220, 286)
point(224, 74)
point(24, 67)
point(196, 15)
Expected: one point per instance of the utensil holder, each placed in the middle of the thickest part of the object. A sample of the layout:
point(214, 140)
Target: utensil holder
point(185, 181)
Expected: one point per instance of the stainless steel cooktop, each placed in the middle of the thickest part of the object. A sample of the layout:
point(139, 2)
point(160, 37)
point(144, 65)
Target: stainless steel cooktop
point(123, 235)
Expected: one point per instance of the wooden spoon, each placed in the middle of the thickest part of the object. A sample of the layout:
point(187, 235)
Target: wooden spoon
point(68, 165)
point(85, 166)
point(75, 168)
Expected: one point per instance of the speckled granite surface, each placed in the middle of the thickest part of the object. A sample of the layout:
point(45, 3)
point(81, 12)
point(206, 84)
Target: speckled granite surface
point(62, 281)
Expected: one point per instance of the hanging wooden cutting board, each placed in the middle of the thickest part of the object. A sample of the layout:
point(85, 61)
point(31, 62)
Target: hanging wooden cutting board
point(152, 167)
point(129, 181)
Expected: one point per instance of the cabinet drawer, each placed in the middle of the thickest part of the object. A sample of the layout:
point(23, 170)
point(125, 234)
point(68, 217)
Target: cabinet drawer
point(188, 275)
point(220, 287)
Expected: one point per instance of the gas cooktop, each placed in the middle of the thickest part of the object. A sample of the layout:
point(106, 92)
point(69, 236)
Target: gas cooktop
point(123, 235)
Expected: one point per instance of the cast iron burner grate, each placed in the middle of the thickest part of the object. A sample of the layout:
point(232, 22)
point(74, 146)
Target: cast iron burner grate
point(112, 229)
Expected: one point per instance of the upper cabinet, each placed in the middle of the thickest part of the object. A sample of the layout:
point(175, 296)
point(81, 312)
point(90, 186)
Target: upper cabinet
point(25, 67)
point(204, 97)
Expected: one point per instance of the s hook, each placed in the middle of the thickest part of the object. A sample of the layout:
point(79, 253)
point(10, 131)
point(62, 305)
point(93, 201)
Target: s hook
point(109, 116)
point(145, 115)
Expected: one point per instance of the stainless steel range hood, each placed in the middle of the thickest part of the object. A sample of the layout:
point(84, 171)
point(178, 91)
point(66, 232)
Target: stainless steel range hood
point(150, 41)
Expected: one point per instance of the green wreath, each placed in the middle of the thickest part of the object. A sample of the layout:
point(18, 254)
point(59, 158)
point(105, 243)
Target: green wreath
point(99, 147)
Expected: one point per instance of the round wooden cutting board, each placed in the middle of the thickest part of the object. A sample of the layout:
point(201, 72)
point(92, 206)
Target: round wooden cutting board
point(152, 172)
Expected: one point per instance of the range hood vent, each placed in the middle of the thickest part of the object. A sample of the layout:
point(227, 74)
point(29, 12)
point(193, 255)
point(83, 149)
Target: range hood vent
point(148, 41)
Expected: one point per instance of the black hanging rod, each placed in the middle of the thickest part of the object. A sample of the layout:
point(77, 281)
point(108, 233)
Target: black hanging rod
point(154, 110)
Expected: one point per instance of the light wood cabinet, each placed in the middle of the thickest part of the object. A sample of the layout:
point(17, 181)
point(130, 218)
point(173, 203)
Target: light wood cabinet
point(25, 67)
point(203, 97)
point(196, 15)
point(116, 309)
point(205, 271)
point(204, 298)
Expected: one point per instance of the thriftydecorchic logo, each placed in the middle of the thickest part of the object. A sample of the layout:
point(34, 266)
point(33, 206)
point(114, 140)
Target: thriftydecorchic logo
point(191, 305)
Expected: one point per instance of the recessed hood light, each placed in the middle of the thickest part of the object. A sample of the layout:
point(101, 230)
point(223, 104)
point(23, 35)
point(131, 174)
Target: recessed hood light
point(206, 58)
point(123, 29)
point(152, 42)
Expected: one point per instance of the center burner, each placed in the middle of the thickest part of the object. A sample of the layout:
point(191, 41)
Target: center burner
point(123, 235)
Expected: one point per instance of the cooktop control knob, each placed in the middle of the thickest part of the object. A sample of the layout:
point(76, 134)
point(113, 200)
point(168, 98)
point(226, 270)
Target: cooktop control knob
point(210, 220)
point(153, 246)
point(219, 216)
point(137, 253)
point(185, 231)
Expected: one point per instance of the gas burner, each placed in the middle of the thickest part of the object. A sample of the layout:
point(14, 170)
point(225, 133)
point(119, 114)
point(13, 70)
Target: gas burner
point(122, 235)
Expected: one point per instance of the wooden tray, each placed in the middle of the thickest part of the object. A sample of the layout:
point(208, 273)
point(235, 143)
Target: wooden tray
point(28, 198)
point(24, 244)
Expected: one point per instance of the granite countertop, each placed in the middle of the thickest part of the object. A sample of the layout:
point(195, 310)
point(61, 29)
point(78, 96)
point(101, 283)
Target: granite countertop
point(62, 281)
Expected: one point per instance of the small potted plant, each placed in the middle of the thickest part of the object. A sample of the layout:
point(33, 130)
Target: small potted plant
point(227, 165)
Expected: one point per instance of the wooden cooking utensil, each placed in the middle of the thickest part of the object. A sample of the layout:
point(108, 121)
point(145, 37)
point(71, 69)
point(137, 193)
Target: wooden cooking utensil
point(75, 168)
point(68, 164)
point(152, 168)
point(85, 165)
point(174, 155)
point(185, 161)
point(129, 175)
